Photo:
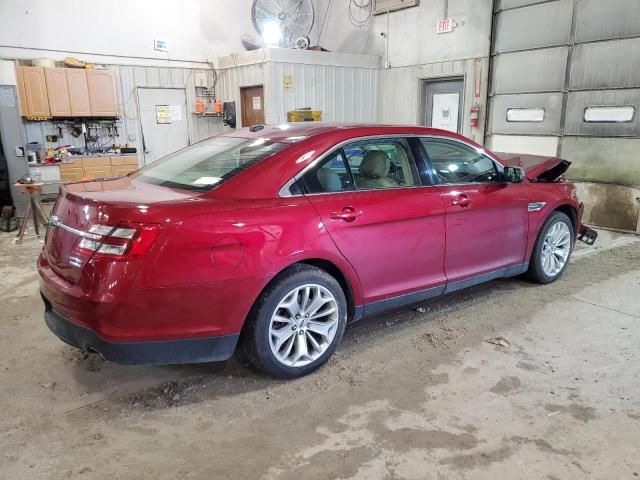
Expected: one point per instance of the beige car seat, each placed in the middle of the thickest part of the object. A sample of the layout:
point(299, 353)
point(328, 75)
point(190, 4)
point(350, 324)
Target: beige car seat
point(329, 180)
point(373, 171)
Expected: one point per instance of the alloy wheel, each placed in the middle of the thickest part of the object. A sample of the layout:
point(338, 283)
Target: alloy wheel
point(556, 249)
point(303, 325)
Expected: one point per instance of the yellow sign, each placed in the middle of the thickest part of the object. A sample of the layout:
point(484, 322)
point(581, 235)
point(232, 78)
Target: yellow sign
point(163, 114)
point(287, 82)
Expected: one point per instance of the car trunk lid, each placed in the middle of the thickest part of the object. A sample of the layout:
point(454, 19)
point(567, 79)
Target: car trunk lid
point(538, 168)
point(81, 205)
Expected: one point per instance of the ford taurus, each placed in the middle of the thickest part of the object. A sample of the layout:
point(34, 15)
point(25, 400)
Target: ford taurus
point(271, 239)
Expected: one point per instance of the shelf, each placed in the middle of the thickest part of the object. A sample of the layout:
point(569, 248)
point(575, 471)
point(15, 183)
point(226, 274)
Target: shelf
point(207, 114)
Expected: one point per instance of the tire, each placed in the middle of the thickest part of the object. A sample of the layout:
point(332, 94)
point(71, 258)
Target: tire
point(273, 336)
point(558, 226)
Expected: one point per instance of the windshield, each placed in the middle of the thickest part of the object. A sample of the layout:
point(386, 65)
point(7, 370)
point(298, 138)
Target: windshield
point(206, 164)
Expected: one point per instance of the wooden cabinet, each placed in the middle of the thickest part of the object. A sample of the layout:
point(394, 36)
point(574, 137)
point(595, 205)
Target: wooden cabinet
point(58, 92)
point(34, 88)
point(71, 172)
point(102, 93)
point(66, 92)
point(85, 168)
point(121, 166)
point(96, 167)
point(78, 92)
point(22, 97)
point(97, 171)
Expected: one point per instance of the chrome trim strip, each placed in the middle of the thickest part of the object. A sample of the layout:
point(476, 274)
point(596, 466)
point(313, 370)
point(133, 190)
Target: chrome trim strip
point(55, 222)
point(362, 190)
point(536, 206)
point(283, 192)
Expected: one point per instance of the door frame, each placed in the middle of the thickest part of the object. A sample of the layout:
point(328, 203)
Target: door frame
point(244, 87)
point(425, 104)
point(141, 142)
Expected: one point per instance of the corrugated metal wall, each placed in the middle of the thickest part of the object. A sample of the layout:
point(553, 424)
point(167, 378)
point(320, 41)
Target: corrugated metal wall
point(565, 56)
point(343, 94)
point(399, 91)
point(128, 79)
point(233, 78)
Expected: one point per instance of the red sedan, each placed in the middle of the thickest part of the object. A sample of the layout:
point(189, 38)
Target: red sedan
point(271, 239)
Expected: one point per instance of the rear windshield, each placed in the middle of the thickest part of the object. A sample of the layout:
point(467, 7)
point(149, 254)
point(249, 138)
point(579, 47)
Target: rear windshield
point(206, 164)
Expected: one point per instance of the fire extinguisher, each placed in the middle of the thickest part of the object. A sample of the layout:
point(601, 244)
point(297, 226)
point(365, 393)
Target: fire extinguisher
point(474, 115)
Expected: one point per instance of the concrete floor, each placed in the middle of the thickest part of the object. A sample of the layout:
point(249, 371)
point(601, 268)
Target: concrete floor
point(410, 395)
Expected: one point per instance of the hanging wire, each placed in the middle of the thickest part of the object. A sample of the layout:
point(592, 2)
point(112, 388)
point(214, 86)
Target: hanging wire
point(324, 19)
point(360, 12)
point(214, 74)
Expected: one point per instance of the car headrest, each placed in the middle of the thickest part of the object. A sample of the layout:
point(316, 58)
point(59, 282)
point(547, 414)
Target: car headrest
point(375, 164)
point(329, 180)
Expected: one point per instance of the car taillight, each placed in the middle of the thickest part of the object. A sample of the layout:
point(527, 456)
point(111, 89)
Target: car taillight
point(129, 241)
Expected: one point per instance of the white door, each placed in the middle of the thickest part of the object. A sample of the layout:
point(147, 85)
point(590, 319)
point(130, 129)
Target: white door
point(443, 104)
point(163, 119)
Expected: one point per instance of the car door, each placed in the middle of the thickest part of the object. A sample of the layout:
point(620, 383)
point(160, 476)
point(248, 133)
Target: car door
point(382, 218)
point(486, 218)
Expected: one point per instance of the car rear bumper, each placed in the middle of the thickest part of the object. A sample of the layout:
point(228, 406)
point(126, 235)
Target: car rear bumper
point(118, 312)
point(159, 352)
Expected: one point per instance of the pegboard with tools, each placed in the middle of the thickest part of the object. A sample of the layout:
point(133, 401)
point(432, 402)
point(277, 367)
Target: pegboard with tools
point(95, 135)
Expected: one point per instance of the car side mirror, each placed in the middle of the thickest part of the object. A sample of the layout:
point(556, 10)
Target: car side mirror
point(513, 174)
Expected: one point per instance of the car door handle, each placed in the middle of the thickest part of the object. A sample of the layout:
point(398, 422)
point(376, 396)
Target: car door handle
point(461, 200)
point(348, 214)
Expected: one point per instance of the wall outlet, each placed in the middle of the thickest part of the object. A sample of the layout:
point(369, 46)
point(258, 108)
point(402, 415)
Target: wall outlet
point(131, 137)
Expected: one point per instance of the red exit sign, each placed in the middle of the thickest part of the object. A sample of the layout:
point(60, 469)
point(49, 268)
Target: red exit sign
point(446, 25)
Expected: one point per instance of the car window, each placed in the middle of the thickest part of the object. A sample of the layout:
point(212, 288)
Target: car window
point(206, 164)
point(364, 165)
point(331, 175)
point(454, 162)
point(381, 163)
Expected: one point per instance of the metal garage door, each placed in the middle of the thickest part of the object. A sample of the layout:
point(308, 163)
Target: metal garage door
point(565, 81)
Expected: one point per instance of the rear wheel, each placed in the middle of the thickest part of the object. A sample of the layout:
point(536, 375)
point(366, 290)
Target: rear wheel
point(297, 323)
point(552, 250)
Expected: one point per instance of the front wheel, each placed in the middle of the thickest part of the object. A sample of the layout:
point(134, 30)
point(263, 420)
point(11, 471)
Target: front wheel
point(552, 250)
point(297, 323)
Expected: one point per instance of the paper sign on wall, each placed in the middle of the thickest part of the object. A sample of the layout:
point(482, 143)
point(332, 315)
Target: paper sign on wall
point(257, 103)
point(287, 82)
point(160, 45)
point(163, 114)
point(445, 111)
point(176, 113)
point(166, 114)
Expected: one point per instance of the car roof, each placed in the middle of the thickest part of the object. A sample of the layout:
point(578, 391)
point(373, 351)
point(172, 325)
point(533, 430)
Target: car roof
point(299, 131)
